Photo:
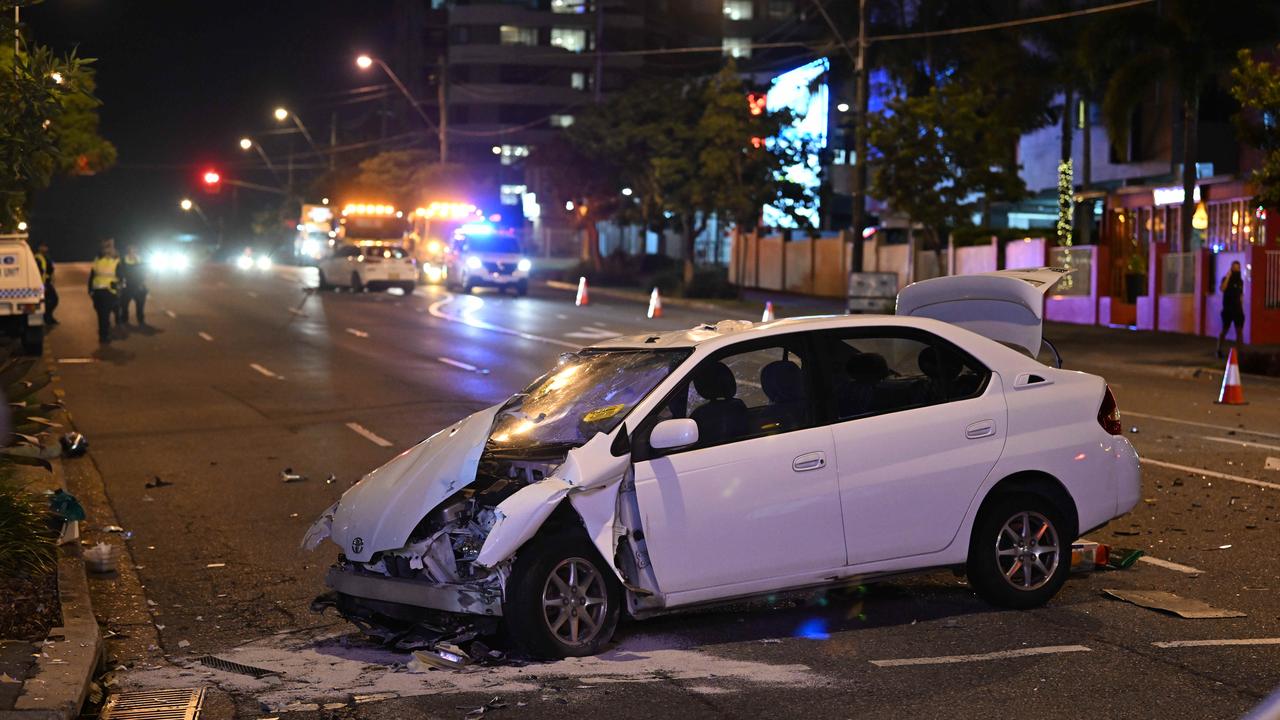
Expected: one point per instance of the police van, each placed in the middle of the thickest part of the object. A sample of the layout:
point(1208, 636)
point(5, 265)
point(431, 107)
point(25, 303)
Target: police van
point(21, 293)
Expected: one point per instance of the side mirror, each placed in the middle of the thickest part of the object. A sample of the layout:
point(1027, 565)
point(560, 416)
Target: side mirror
point(673, 434)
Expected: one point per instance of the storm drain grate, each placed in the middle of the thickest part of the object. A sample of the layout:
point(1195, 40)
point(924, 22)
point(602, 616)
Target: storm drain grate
point(174, 704)
point(218, 663)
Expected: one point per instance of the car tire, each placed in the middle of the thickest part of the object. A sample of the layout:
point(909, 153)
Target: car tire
point(1019, 553)
point(33, 341)
point(356, 284)
point(324, 283)
point(468, 288)
point(522, 289)
point(542, 574)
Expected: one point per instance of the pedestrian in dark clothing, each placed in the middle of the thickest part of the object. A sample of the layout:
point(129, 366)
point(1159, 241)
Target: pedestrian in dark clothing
point(1232, 287)
point(133, 276)
point(104, 288)
point(46, 275)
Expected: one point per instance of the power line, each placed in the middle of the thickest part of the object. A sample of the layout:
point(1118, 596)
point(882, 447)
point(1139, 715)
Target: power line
point(1011, 23)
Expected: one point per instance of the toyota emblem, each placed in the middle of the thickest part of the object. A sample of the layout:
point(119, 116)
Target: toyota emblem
point(357, 545)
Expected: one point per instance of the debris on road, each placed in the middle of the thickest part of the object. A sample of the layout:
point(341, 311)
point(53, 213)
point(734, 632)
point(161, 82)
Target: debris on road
point(1173, 604)
point(443, 656)
point(493, 704)
point(74, 445)
point(1087, 556)
point(101, 558)
point(331, 479)
point(157, 483)
point(288, 475)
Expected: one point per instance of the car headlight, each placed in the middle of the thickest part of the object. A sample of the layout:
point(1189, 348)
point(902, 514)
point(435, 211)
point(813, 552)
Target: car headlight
point(525, 265)
point(180, 261)
point(473, 263)
point(159, 261)
point(263, 262)
point(244, 262)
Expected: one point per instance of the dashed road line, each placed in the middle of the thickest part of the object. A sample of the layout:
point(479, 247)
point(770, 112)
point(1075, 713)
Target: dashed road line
point(588, 332)
point(1240, 443)
point(265, 372)
point(1226, 428)
point(1216, 643)
point(368, 434)
point(1211, 473)
point(296, 311)
point(1170, 565)
point(76, 361)
point(458, 364)
point(999, 655)
point(205, 336)
point(357, 333)
point(253, 294)
point(1272, 463)
point(466, 318)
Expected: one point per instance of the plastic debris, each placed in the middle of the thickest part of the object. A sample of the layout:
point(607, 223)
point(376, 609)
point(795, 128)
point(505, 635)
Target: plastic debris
point(66, 506)
point(157, 483)
point(331, 479)
point(184, 643)
point(443, 656)
point(74, 444)
point(493, 704)
point(288, 475)
point(1167, 602)
point(101, 558)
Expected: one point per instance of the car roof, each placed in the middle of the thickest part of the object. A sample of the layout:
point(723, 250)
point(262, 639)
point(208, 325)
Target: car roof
point(737, 330)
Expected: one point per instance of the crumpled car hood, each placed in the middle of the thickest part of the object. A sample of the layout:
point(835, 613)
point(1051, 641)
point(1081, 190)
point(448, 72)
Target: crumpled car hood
point(379, 512)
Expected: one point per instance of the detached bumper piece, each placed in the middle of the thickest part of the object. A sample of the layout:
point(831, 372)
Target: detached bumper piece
point(465, 599)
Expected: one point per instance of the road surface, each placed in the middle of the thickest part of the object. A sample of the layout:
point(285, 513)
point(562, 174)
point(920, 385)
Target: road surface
point(243, 375)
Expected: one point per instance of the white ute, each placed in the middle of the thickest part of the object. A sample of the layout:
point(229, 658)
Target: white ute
point(21, 294)
point(653, 473)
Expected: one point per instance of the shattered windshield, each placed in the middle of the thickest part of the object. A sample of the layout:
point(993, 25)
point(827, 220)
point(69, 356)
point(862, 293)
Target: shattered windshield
point(586, 393)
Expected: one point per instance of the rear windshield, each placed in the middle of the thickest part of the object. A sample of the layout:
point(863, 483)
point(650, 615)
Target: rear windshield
point(504, 244)
point(391, 253)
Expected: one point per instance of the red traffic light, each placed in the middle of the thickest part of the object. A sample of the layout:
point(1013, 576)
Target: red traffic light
point(211, 177)
point(757, 103)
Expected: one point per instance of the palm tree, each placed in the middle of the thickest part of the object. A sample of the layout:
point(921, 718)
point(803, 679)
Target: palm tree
point(1190, 44)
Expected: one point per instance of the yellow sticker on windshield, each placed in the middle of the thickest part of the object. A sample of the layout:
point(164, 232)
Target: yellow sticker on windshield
point(603, 413)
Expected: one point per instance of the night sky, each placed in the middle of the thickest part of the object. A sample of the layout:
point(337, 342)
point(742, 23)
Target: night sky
point(181, 82)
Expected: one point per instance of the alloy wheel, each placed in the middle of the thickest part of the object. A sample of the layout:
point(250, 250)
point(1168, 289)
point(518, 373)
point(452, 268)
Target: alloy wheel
point(575, 602)
point(1027, 552)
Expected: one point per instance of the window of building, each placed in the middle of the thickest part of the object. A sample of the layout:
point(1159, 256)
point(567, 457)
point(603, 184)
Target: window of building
point(738, 9)
point(569, 7)
point(580, 80)
point(781, 9)
point(736, 47)
point(512, 194)
point(516, 35)
point(571, 39)
point(561, 121)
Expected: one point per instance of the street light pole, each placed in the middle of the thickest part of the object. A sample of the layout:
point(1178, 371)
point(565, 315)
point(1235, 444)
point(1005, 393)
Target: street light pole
point(442, 97)
point(247, 143)
point(860, 102)
point(283, 114)
point(364, 62)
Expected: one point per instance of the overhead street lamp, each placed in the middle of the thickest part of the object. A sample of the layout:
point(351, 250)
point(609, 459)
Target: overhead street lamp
point(282, 114)
point(249, 144)
point(364, 62)
point(189, 205)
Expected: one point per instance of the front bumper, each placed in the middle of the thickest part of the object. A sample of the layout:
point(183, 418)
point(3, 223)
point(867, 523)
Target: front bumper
point(468, 599)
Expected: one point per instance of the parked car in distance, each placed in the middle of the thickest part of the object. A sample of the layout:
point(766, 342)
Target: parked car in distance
point(368, 267)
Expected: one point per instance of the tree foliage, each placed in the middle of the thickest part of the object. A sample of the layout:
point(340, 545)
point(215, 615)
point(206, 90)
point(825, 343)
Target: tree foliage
point(687, 153)
point(49, 124)
point(1256, 86)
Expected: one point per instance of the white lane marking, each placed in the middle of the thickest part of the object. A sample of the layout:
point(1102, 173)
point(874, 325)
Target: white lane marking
point(1214, 643)
point(1227, 428)
point(1211, 473)
point(76, 361)
point(358, 333)
point(458, 364)
point(1170, 565)
point(561, 316)
point(1240, 443)
point(467, 318)
point(253, 294)
point(1000, 655)
point(296, 311)
point(369, 435)
point(1273, 463)
point(263, 371)
point(592, 333)
point(205, 336)
point(171, 314)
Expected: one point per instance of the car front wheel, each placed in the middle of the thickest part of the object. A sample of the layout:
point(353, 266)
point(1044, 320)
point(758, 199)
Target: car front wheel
point(1019, 554)
point(562, 600)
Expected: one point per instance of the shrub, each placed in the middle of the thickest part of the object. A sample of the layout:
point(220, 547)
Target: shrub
point(27, 547)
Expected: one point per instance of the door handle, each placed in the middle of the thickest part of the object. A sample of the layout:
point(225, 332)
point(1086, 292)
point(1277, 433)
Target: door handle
point(980, 429)
point(809, 461)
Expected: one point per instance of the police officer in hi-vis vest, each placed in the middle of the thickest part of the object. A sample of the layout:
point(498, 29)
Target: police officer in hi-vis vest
point(104, 287)
point(46, 275)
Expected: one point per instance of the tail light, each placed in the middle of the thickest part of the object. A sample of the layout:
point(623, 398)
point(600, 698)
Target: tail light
point(1109, 414)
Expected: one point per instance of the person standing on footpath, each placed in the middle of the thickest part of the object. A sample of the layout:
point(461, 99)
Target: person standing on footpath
point(45, 264)
point(1232, 287)
point(104, 287)
point(133, 275)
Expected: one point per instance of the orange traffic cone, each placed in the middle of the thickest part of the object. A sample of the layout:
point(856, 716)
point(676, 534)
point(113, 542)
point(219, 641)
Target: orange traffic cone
point(1231, 393)
point(582, 298)
point(768, 312)
point(655, 305)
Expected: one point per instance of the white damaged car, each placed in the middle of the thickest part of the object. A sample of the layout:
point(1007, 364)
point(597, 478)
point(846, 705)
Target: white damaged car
point(658, 472)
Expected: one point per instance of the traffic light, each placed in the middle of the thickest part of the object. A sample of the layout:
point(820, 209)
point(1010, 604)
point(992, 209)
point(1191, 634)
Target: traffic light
point(212, 181)
point(757, 103)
